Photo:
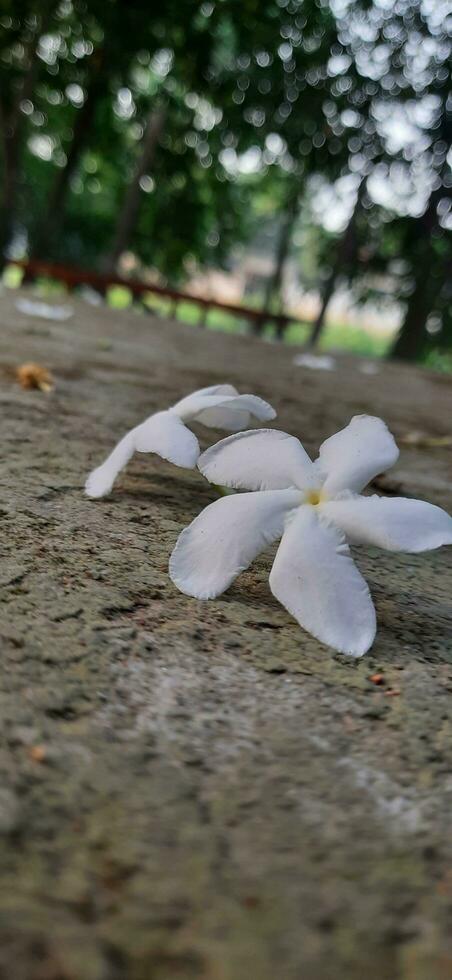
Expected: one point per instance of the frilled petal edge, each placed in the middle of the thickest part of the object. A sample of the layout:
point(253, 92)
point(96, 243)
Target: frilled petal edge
point(221, 411)
point(351, 458)
point(187, 400)
point(261, 459)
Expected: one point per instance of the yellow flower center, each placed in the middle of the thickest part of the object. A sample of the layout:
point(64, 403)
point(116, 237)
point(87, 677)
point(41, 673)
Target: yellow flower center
point(313, 497)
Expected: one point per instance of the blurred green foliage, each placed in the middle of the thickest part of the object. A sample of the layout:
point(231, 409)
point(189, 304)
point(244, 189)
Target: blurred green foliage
point(179, 132)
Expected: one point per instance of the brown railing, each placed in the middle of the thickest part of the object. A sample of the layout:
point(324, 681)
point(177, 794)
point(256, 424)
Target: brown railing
point(74, 276)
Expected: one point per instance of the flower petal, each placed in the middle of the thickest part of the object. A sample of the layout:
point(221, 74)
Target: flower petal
point(225, 389)
point(395, 523)
point(235, 414)
point(101, 480)
point(225, 538)
point(162, 433)
point(315, 578)
point(185, 403)
point(356, 454)
point(221, 411)
point(166, 435)
point(223, 417)
point(262, 459)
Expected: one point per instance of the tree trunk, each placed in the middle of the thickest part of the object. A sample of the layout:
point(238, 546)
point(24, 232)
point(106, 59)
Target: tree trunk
point(48, 231)
point(412, 340)
point(10, 187)
point(326, 295)
point(346, 252)
point(12, 124)
point(129, 212)
point(274, 285)
point(12, 131)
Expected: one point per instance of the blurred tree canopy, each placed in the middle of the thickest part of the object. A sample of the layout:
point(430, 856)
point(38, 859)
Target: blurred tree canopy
point(172, 131)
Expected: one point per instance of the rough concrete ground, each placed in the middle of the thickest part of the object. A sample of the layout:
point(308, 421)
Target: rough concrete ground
point(201, 791)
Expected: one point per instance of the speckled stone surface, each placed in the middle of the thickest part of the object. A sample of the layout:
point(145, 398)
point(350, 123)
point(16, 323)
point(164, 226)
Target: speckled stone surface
point(201, 791)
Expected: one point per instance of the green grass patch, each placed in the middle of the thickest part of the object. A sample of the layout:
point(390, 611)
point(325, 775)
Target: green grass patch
point(355, 339)
point(439, 361)
point(12, 276)
point(118, 297)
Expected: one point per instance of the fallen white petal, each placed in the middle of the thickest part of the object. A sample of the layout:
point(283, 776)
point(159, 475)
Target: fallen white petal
point(316, 362)
point(262, 459)
point(395, 523)
point(165, 434)
point(91, 296)
point(45, 311)
point(225, 538)
point(355, 455)
point(316, 579)
point(369, 367)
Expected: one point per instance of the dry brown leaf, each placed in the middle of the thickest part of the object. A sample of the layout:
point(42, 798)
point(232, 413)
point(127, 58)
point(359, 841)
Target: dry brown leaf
point(37, 753)
point(33, 375)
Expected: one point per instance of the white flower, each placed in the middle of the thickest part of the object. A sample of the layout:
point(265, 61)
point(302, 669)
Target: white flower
point(166, 434)
point(317, 509)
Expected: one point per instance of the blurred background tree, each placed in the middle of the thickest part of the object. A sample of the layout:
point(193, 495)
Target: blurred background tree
point(311, 135)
